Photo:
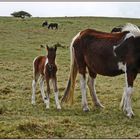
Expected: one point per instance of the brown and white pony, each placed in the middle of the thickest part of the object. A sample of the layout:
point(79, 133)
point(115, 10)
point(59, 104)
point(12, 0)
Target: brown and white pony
point(44, 67)
point(105, 54)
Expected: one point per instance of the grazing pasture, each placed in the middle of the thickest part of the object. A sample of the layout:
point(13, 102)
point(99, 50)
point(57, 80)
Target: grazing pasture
point(19, 44)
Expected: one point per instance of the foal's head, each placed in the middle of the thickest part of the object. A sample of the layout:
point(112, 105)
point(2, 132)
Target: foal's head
point(51, 54)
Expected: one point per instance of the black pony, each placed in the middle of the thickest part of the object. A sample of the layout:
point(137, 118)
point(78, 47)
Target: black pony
point(44, 24)
point(53, 26)
point(119, 28)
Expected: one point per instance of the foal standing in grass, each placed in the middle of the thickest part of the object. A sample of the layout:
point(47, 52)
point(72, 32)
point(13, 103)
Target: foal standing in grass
point(44, 67)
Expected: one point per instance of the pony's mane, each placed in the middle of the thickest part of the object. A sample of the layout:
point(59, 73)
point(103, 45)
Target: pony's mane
point(132, 28)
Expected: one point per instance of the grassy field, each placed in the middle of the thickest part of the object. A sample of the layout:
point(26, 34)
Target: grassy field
point(19, 43)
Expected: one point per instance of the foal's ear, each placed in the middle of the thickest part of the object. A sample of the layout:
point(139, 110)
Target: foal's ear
point(47, 47)
point(55, 48)
point(41, 46)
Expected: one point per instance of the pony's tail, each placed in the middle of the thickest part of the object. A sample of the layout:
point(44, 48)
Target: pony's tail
point(69, 91)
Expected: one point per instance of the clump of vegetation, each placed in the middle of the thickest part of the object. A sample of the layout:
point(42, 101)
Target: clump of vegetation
point(59, 45)
point(30, 127)
point(21, 14)
point(5, 90)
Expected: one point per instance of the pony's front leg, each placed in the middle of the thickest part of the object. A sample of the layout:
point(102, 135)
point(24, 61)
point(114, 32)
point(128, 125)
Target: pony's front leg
point(126, 98)
point(42, 89)
point(83, 90)
point(126, 101)
point(47, 98)
point(54, 82)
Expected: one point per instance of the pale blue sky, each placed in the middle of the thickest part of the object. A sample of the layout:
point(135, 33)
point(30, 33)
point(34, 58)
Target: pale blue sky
point(58, 9)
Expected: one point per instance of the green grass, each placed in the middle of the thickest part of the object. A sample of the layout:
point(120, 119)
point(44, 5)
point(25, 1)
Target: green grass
point(19, 43)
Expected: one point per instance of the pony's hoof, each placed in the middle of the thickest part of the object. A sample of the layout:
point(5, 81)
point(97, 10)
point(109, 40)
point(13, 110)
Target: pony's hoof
point(86, 109)
point(59, 108)
point(33, 102)
point(47, 107)
point(130, 115)
point(99, 105)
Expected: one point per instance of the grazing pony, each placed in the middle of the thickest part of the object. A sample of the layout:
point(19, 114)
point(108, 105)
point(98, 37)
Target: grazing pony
point(44, 24)
point(105, 54)
point(45, 68)
point(53, 25)
point(117, 29)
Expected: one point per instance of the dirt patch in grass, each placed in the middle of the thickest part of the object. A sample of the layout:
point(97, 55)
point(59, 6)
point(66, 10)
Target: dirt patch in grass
point(5, 90)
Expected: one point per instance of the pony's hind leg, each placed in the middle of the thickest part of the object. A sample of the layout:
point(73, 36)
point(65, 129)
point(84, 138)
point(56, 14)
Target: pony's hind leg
point(34, 82)
point(91, 86)
point(54, 82)
point(83, 91)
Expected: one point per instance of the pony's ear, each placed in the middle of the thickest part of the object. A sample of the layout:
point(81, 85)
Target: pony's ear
point(55, 48)
point(41, 46)
point(47, 47)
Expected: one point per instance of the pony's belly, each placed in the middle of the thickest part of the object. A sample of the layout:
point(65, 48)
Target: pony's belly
point(106, 70)
point(112, 73)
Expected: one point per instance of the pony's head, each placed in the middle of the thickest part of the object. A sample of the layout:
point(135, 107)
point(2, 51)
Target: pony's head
point(51, 53)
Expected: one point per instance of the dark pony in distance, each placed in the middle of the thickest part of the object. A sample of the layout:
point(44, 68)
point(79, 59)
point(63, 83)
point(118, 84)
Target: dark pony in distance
point(44, 67)
point(106, 54)
point(53, 26)
point(45, 23)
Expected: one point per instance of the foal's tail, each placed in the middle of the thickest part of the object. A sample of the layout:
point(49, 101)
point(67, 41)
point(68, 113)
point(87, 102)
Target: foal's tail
point(69, 91)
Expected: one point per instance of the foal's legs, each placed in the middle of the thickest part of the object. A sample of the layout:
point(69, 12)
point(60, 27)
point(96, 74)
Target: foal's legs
point(54, 82)
point(91, 85)
point(83, 90)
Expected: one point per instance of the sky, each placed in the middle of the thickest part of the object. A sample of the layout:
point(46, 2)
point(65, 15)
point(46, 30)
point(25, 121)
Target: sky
point(60, 9)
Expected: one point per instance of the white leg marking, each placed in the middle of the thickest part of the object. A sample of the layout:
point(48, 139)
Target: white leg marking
point(47, 101)
point(126, 98)
point(54, 82)
point(83, 90)
point(42, 89)
point(33, 92)
point(57, 100)
point(126, 101)
point(91, 85)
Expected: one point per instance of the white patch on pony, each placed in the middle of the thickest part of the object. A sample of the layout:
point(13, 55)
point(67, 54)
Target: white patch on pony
point(132, 28)
point(126, 37)
point(46, 62)
point(122, 66)
point(114, 47)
